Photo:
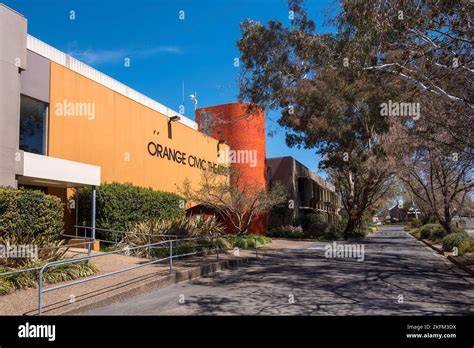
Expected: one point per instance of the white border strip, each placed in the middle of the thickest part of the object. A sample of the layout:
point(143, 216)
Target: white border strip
point(51, 53)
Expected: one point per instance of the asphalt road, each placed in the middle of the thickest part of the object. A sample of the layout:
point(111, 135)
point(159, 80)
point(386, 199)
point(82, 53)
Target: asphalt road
point(398, 276)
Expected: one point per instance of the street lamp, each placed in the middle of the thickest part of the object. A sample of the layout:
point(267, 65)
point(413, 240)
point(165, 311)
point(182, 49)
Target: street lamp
point(193, 97)
point(219, 143)
point(174, 118)
point(170, 120)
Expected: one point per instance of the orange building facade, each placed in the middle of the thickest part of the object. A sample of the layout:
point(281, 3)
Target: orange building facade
point(128, 140)
point(243, 129)
point(65, 125)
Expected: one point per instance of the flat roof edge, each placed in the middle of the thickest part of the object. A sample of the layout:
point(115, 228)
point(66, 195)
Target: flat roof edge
point(43, 49)
point(11, 9)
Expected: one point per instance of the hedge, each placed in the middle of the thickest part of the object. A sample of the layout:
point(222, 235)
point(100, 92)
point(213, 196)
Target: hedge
point(454, 240)
point(119, 206)
point(432, 231)
point(31, 212)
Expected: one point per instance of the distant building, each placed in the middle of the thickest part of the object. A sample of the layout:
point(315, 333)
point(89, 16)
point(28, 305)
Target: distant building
point(307, 192)
point(399, 213)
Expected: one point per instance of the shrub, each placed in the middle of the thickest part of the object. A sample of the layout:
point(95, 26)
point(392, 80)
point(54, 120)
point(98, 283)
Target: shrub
point(314, 225)
point(248, 241)
point(239, 242)
point(415, 224)
point(432, 231)
point(359, 233)
point(332, 232)
point(373, 229)
point(119, 206)
point(453, 240)
point(224, 244)
point(51, 275)
point(467, 246)
point(287, 231)
point(455, 229)
point(438, 233)
point(31, 212)
point(182, 227)
point(261, 240)
point(415, 232)
point(47, 249)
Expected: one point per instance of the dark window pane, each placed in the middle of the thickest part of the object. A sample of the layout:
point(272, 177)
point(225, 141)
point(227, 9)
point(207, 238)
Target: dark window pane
point(32, 125)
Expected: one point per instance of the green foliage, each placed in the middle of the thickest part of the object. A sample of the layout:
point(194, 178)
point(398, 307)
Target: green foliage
point(287, 231)
point(467, 246)
point(30, 212)
point(432, 232)
point(415, 224)
point(438, 234)
point(373, 229)
point(51, 275)
point(47, 248)
point(359, 233)
point(455, 229)
point(416, 232)
point(453, 240)
point(313, 226)
point(224, 244)
point(248, 241)
point(119, 206)
point(159, 230)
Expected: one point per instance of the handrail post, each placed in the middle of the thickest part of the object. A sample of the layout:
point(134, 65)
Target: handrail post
point(40, 290)
point(148, 248)
point(171, 255)
point(256, 252)
point(217, 248)
point(93, 216)
point(88, 241)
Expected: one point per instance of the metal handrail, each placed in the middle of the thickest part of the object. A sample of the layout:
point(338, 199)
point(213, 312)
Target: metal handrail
point(68, 261)
point(127, 249)
point(36, 268)
point(124, 232)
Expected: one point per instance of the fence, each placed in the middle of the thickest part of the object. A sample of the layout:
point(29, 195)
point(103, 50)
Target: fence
point(171, 246)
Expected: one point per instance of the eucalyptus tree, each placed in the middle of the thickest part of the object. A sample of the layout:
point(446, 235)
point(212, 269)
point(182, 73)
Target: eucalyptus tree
point(326, 102)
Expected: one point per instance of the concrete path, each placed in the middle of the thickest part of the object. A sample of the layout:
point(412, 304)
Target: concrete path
point(115, 287)
point(399, 276)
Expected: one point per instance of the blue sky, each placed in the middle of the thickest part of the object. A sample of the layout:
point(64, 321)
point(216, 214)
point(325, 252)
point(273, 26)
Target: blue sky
point(165, 50)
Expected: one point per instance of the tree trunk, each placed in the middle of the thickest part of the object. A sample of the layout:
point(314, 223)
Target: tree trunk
point(350, 227)
point(446, 225)
point(447, 220)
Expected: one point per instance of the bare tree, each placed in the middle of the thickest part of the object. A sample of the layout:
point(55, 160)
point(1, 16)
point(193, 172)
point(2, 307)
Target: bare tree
point(236, 200)
point(438, 180)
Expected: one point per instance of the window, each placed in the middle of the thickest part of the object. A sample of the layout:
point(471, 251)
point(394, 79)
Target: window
point(33, 125)
point(205, 122)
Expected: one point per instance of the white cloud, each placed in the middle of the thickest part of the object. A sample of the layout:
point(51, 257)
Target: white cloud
point(98, 56)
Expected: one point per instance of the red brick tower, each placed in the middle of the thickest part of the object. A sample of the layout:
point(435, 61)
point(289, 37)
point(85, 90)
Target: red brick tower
point(241, 130)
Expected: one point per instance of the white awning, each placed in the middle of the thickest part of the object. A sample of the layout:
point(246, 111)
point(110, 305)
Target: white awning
point(50, 171)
